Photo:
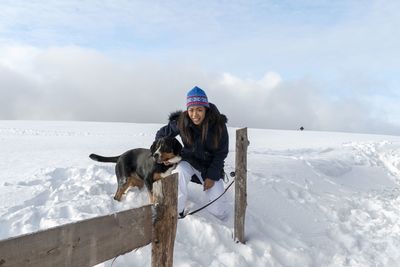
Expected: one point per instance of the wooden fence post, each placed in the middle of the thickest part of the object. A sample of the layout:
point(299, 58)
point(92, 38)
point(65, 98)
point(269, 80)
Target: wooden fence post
point(165, 192)
point(241, 184)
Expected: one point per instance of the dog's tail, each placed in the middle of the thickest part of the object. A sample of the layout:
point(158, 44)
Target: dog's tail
point(103, 159)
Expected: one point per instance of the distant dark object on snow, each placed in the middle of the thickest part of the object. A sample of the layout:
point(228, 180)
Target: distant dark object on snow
point(301, 128)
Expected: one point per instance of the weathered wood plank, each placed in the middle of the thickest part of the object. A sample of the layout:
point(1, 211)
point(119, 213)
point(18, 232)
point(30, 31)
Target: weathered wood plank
point(83, 243)
point(240, 184)
point(165, 192)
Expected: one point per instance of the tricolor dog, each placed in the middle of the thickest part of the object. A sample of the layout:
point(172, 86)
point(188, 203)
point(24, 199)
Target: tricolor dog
point(140, 166)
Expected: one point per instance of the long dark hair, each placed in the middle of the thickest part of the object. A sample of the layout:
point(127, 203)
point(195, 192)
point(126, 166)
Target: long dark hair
point(212, 118)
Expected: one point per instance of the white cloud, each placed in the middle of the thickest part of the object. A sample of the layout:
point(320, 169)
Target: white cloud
point(292, 104)
point(73, 83)
point(18, 58)
point(81, 84)
point(270, 80)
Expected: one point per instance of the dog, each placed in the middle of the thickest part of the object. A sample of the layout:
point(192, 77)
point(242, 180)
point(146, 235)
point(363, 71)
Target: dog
point(142, 167)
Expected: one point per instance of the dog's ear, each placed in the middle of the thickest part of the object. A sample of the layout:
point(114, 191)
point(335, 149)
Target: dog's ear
point(177, 147)
point(153, 147)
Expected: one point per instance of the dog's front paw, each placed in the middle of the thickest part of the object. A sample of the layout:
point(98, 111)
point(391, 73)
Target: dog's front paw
point(167, 163)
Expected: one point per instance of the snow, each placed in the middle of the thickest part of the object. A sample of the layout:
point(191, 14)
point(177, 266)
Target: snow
point(314, 198)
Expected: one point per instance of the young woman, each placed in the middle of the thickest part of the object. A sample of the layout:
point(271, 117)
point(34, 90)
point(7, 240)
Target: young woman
point(205, 138)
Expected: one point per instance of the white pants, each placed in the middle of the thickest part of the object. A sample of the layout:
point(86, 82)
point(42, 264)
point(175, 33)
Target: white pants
point(185, 172)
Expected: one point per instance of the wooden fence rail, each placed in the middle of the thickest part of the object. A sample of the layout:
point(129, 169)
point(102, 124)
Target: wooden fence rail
point(92, 241)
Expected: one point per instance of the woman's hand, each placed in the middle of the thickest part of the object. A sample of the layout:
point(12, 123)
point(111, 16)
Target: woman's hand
point(208, 183)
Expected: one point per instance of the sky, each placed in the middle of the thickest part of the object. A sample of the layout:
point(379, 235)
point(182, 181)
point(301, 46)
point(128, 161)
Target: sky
point(323, 65)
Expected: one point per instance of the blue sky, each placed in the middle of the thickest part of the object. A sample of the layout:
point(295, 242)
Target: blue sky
point(326, 65)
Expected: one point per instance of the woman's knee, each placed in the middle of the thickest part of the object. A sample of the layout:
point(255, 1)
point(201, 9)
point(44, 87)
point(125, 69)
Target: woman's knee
point(183, 167)
point(184, 170)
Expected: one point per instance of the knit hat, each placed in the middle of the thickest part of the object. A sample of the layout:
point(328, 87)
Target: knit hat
point(197, 97)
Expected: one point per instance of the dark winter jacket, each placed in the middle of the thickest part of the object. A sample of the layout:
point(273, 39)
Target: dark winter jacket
point(205, 157)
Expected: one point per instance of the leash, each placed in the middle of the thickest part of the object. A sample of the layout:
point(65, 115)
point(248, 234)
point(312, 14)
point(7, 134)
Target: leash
point(232, 174)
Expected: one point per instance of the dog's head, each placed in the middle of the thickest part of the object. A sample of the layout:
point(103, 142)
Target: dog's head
point(165, 149)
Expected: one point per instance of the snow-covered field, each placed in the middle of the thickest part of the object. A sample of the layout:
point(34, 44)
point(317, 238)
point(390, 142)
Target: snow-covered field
point(314, 198)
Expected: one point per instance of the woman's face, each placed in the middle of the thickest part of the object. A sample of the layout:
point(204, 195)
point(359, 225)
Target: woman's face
point(197, 114)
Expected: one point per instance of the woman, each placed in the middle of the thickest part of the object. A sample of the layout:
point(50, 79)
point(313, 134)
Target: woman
point(205, 138)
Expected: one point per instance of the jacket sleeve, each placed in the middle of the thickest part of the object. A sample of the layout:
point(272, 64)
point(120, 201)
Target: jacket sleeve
point(169, 130)
point(214, 171)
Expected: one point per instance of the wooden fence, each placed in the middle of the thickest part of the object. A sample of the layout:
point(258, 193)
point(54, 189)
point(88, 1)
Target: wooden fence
point(92, 241)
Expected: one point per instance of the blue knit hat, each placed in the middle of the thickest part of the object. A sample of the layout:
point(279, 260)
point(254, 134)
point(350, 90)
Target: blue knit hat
point(197, 97)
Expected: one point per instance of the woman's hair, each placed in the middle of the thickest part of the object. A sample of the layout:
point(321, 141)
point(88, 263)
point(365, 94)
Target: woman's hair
point(211, 119)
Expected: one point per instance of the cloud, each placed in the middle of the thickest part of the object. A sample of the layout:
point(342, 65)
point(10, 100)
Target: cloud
point(81, 84)
point(281, 104)
point(73, 83)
